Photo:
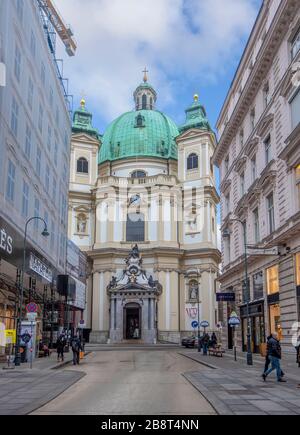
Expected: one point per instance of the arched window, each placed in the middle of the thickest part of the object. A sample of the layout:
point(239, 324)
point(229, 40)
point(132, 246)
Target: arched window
point(82, 166)
point(144, 102)
point(193, 161)
point(138, 174)
point(135, 227)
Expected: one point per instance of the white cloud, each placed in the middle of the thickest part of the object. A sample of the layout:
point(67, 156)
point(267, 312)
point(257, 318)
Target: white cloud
point(178, 40)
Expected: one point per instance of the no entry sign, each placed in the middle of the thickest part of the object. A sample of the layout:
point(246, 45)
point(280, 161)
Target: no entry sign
point(31, 308)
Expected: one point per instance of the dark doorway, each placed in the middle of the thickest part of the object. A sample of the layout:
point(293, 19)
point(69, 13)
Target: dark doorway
point(132, 323)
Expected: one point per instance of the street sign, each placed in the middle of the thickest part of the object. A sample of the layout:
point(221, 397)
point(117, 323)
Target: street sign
point(31, 308)
point(234, 319)
point(262, 252)
point(31, 317)
point(204, 324)
point(81, 325)
point(26, 337)
point(195, 324)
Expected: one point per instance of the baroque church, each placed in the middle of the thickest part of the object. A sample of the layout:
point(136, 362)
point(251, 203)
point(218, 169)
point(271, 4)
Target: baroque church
point(143, 206)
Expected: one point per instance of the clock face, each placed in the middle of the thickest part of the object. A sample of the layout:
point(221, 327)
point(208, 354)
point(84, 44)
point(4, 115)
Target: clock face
point(135, 200)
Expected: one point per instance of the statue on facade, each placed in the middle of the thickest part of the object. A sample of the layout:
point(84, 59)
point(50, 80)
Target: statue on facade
point(194, 291)
point(113, 283)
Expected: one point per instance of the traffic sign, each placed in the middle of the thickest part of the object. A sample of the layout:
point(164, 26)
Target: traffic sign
point(204, 324)
point(31, 308)
point(26, 337)
point(234, 319)
point(195, 324)
point(31, 317)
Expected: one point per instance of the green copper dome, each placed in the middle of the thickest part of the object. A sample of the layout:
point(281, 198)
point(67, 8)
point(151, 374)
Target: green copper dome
point(142, 133)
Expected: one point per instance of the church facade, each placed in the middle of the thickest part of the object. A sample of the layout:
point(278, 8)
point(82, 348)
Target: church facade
point(143, 206)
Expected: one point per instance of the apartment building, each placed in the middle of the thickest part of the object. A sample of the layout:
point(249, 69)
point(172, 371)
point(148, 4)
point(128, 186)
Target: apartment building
point(259, 159)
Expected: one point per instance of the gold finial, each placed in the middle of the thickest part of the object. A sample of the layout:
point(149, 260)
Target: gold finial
point(82, 103)
point(145, 75)
point(196, 98)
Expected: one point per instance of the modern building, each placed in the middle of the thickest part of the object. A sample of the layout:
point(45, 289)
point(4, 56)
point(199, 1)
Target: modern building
point(143, 206)
point(259, 159)
point(35, 130)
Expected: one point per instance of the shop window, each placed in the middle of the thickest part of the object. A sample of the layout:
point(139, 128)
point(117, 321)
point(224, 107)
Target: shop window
point(272, 280)
point(275, 320)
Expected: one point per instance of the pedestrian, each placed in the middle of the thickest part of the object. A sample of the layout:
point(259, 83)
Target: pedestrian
point(205, 342)
point(76, 348)
point(268, 360)
point(60, 347)
point(274, 353)
point(214, 340)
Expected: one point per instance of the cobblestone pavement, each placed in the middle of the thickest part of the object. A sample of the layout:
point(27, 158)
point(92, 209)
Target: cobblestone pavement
point(22, 390)
point(233, 388)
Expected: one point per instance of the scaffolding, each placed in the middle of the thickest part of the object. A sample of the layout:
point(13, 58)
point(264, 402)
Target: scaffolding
point(54, 25)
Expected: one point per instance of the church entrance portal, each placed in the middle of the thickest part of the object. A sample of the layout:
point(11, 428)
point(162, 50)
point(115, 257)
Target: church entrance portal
point(132, 322)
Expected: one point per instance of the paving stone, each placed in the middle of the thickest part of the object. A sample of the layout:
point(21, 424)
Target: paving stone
point(269, 406)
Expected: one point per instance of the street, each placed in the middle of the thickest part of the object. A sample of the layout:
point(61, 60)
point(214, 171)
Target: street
point(132, 382)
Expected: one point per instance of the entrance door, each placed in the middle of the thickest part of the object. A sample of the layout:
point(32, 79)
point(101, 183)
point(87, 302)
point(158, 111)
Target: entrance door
point(132, 325)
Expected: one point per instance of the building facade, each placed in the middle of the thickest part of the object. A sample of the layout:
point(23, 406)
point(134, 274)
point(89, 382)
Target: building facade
point(35, 129)
point(259, 159)
point(142, 204)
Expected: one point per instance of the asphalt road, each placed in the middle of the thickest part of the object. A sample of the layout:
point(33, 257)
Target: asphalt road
point(132, 382)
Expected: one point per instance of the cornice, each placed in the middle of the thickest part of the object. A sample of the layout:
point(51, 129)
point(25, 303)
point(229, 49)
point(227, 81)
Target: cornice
point(263, 63)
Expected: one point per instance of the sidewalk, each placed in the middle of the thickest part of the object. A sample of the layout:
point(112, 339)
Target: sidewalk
point(233, 388)
point(23, 390)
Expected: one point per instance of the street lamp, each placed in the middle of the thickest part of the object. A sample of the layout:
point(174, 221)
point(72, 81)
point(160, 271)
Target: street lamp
point(226, 234)
point(45, 233)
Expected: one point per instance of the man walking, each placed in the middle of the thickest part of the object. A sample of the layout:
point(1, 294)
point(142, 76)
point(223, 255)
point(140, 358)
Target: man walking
point(76, 348)
point(274, 353)
point(205, 342)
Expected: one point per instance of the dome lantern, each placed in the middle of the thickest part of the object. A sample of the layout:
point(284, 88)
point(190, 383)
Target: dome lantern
point(145, 96)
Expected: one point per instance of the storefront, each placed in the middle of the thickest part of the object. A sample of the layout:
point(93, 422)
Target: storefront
point(257, 322)
point(272, 281)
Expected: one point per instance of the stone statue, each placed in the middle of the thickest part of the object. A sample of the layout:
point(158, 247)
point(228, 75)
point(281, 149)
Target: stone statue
point(81, 224)
point(135, 251)
point(151, 282)
point(113, 283)
point(194, 291)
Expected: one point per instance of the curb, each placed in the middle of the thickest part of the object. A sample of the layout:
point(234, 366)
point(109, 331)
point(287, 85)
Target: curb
point(214, 402)
point(210, 366)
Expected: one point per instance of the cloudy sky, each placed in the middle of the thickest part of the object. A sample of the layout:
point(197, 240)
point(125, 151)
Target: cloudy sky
point(188, 46)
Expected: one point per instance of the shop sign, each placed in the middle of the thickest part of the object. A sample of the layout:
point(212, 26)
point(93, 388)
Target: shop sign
point(225, 297)
point(40, 268)
point(11, 336)
point(6, 241)
point(80, 295)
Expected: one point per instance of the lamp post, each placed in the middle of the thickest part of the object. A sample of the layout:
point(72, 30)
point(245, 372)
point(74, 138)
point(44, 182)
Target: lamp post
point(227, 234)
point(45, 233)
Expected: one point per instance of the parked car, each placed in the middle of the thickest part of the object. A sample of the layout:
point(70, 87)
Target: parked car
point(189, 342)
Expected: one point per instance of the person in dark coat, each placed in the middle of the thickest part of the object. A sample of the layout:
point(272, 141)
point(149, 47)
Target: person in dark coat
point(268, 361)
point(60, 347)
point(213, 340)
point(76, 348)
point(205, 342)
point(274, 353)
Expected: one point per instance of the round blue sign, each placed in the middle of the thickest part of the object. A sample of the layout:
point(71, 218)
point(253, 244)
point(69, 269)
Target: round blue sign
point(195, 324)
point(204, 324)
point(234, 321)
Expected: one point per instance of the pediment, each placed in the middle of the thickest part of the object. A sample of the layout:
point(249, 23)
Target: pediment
point(86, 138)
point(252, 146)
point(265, 124)
point(193, 132)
